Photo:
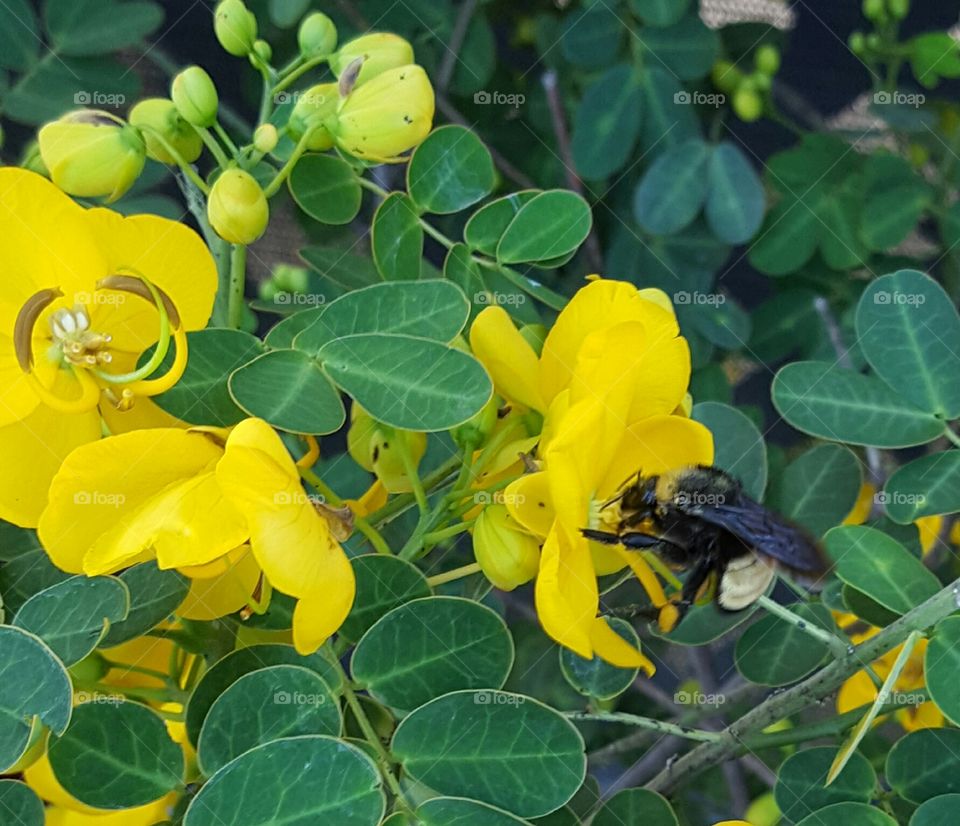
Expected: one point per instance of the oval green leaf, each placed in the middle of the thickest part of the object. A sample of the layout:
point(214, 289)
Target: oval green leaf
point(19, 804)
point(843, 814)
point(549, 225)
point(383, 583)
point(326, 188)
point(672, 191)
point(789, 238)
point(926, 486)
point(459, 811)
point(739, 446)
point(397, 238)
point(596, 678)
point(505, 749)
point(800, 789)
point(925, 764)
point(735, 201)
point(154, 596)
point(774, 652)
point(487, 225)
point(941, 667)
point(635, 806)
point(937, 811)
point(607, 123)
point(687, 49)
point(450, 170)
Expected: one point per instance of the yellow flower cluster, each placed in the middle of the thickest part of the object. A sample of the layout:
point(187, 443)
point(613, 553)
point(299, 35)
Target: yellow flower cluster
point(611, 385)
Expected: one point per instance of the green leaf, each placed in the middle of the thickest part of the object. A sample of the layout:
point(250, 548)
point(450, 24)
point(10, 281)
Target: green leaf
point(459, 268)
point(326, 188)
point(433, 309)
point(430, 646)
point(592, 38)
point(840, 239)
point(774, 652)
point(458, 811)
point(660, 12)
point(924, 487)
point(635, 806)
point(20, 804)
point(299, 780)
point(116, 755)
point(934, 55)
point(909, 332)
point(93, 27)
point(596, 678)
point(819, 488)
point(386, 374)
point(505, 749)
point(33, 683)
point(383, 583)
point(225, 672)
point(607, 123)
point(486, 226)
point(154, 596)
point(25, 576)
point(283, 333)
point(735, 200)
point(549, 225)
point(937, 811)
point(266, 705)
point(341, 270)
point(719, 319)
point(73, 616)
point(941, 667)
point(687, 48)
point(784, 324)
point(880, 567)
point(842, 405)
point(859, 604)
point(667, 116)
point(894, 201)
point(397, 238)
point(450, 170)
point(673, 189)
point(288, 389)
point(201, 396)
point(789, 238)
point(739, 446)
point(800, 789)
point(19, 40)
point(843, 814)
point(705, 623)
point(925, 764)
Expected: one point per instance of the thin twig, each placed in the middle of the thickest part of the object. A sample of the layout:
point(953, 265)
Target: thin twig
point(460, 27)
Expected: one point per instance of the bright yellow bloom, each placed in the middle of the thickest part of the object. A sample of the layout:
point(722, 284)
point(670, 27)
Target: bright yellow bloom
point(195, 502)
point(84, 293)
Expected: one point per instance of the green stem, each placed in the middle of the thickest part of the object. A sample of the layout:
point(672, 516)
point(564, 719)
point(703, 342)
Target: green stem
point(434, 537)
point(225, 137)
point(953, 437)
point(301, 147)
point(215, 149)
point(238, 278)
point(371, 533)
point(648, 723)
point(453, 575)
point(149, 672)
point(188, 170)
point(400, 503)
point(297, 72)
point(834, 644)
point(413, 474)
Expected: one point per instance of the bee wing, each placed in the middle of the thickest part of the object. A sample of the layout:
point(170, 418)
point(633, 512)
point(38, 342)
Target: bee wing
point(767, 533)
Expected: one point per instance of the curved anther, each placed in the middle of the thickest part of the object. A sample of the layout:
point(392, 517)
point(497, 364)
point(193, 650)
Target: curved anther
point(140, 286)
point(26, 321)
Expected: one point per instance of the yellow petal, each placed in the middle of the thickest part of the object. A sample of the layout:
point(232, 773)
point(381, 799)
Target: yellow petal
point(606, 363)
point(315, 618)
point(103, 484)
point(662, 379)
point(862, 507)
point(214, 597)
point(566, 591)
point(31, 451)
point(929, 527)
point(528, 501)
point(509, 359)
point(857, 691)
point(614, 649)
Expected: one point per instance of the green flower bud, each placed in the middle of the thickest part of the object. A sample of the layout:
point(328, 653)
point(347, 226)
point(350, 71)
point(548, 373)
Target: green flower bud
point(475, 432)
point(317, 35)
point(90, 669)
point(92, 154)
point(380, 52)
point(874, 10)
point(762, 82)
point(385, 456)
point(315, 109)
point(161, 115)
point(507, 555)
point(386, 116)
point(726, 77)
point(291, 279)
point(31, 159)
point(360, 433)
point(747, 104)
point(857, 42)
point(263, 50)
point(265, 138)
point(237, 208)
point(235, 27)
point(767, 59)
point(195, 97)
point(267, 290)
point(898, 8)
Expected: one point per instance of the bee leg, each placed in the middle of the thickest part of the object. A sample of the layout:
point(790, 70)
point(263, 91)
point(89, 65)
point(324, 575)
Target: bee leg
point(633, 541)
point(694, 582)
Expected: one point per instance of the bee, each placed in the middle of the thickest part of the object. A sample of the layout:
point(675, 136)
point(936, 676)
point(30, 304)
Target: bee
point(699, 519)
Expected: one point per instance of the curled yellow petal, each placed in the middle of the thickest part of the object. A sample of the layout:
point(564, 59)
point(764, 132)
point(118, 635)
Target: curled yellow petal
point(614, 649)
point(510, 360)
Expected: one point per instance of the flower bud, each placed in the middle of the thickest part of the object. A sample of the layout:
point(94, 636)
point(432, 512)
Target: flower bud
point(898, 8)
point(161, 115)
point(507, 555)
point(315, 109)
point(386, 457)
point(726, 77)
point(767, 59)
point(874, 10)
point(195, 96)
point(92, 154)
point(262, 50)
point(386, 116)
point(475, 432)
point(30, 159)
point(291, 279)
point(317, 35)
point(361, 430)
point(380, 52)
point(235, 27)
point(747, 104)
point(265, 138)
point(237, 208)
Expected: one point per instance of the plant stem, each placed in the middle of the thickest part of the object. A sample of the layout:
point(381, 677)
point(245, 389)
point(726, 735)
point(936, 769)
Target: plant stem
point(238, 279)
point(302, 69)
point(400, 503)
point(434, 537)
point(215, 149)
point(271, 189)
point(227, 140)
point(188, 170)
point(836, 646)
point(648, 723)
point(953, 437)
point(808, 692)
point(371, 533)
point(453, 575)
point(413, 474)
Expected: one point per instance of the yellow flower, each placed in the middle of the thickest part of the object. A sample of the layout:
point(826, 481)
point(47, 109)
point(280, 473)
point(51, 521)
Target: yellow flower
point(380, 51)
point(507, 554)
point(195, 503)
point(161, 115)
point(84, 293)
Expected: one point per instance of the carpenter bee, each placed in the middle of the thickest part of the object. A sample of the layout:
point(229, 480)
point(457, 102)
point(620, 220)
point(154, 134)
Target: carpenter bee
point(699, 519)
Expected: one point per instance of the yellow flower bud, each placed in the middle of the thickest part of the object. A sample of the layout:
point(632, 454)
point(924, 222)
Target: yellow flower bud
point(195, 96)
point(315, 109)
point(387, 116)
point(92, 154)
point(386, 457)
point(475, 432)
point(359, 436)
point(235, 27)
point(161, 115)
point(265, 138)
point(237, 208)
point(507, 555)
point(317, 35)
point(380, 52)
